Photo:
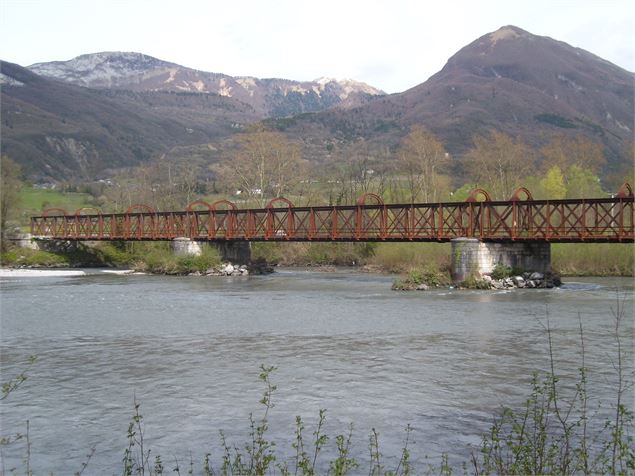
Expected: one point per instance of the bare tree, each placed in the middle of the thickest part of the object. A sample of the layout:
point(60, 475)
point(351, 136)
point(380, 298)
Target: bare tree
point(580, 151)
point(499, 164)
point(10, 185)
point(354, 171)
point(164, 184)
point(263, 164)
point(422, 158)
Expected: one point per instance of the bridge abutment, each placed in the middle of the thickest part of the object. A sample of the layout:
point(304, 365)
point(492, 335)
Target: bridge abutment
point(472, 257)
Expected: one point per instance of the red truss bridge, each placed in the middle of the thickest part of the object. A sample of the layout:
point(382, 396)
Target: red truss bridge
point(521, 218)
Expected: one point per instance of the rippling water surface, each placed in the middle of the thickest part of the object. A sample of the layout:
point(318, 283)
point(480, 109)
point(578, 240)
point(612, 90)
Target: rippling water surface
point(189, 351)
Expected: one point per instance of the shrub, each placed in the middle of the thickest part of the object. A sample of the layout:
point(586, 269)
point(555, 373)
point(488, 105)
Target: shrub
point(429, 275)
point(113, 254)
point(501, 271)
point(208, 259)
point(269, 252)
point(159, 259)
point(34, 258)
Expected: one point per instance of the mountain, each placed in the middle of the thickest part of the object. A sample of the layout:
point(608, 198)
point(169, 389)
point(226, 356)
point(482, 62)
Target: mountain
point(268, 97)
point(81, 118)
point(60, 131)
point(96, 113)
point(529, 86)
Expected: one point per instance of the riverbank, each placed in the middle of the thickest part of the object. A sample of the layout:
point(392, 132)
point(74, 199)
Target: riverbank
point(570, 259)
point(577, 259)
point(50, 273)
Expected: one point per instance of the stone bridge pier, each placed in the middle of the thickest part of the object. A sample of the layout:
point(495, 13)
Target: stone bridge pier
point(236, 252)
point(472, 257)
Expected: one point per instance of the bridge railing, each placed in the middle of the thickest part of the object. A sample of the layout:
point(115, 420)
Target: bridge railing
point(601, 219)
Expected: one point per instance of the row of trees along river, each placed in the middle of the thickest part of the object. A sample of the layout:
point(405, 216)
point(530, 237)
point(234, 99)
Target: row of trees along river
point(262, 164)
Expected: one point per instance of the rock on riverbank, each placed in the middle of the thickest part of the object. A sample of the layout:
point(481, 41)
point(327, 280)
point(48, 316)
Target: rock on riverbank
point(526, 280)
point(530, 280)
point(230, 269)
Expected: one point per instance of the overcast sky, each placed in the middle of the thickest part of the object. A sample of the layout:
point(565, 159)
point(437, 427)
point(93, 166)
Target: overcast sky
point(391, 44)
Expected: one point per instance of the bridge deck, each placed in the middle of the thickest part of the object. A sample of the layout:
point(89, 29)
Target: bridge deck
point(579, 220)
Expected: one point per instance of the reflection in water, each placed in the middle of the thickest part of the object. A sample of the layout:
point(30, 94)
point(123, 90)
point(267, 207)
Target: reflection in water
point(189, 349)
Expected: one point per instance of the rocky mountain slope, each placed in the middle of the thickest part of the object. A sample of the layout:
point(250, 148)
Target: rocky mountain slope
point(60, 131)
point(529, 86)
point(268, 97)
point(100, 112)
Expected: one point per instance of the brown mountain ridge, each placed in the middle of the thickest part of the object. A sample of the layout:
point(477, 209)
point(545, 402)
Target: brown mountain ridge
point(529, 86)
point(105, 111)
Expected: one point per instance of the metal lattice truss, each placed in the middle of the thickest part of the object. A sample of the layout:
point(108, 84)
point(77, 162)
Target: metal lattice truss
point(576, 220)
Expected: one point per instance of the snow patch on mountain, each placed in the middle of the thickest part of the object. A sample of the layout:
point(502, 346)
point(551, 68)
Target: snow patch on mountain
point(9, 81)
point(224, 89)
point(504, 33)
point(249, 84)
point(104, 69)
point(172, 76)
point(139, 72)
point(347, 87)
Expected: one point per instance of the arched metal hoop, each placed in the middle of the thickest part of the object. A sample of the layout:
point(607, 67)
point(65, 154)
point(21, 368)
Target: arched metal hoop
point(362, 200)
point(190, 206)
point(473, 196)
point(214, 205)
point(518, 191)
point(625, 191)
point(79, 211)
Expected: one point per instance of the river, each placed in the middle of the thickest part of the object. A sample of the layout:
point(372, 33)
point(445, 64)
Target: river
point(188, 349)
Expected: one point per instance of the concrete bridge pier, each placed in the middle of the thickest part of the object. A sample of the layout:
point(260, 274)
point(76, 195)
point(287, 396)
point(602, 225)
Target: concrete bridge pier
point(183, 246)
point(23, 240)
point(236, 252)
point(472, 257)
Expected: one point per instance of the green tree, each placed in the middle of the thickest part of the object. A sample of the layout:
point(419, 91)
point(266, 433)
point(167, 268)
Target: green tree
point(582, 183)
point(10, 185)
point(553, 184)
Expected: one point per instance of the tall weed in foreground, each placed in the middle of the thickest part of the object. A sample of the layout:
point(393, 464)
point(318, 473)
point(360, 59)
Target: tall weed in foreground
point(555, 431)
point(552, 433)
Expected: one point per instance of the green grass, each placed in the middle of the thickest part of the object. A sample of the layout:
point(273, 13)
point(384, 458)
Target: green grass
point(314, 254)
point(160, 259)
point(147, 257)
point(33, 258)
point(570, 259)
point(593, 259)
point(402, 257)
point(34, 200)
